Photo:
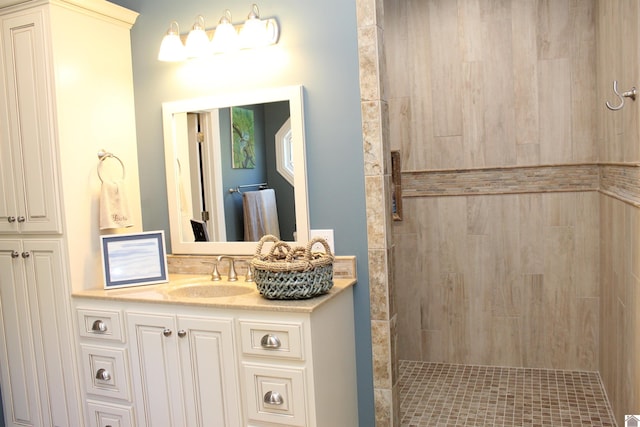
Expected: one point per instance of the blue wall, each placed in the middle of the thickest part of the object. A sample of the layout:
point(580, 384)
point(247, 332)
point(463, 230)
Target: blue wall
point(318, 49)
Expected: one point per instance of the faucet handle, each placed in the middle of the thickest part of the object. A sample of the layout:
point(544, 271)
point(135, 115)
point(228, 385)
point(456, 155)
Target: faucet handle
point(249, 276)
point(232, 271)
point(215, 274)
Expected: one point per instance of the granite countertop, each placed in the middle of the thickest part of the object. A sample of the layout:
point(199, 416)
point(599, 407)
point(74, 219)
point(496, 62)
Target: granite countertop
point(166, 293)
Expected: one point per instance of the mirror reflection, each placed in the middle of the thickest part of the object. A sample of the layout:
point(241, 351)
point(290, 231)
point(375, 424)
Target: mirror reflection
point(235, 170)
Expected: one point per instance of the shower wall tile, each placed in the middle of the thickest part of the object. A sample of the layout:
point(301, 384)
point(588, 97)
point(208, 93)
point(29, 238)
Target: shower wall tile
point(525, 89)
point(513, 79)
point(496, 280)
point(619, 314)
point(617, 32)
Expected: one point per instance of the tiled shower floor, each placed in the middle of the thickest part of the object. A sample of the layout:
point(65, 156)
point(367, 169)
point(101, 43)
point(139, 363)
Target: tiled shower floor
point(438, 394)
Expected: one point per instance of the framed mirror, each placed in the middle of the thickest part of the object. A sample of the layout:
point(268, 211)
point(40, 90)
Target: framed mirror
point(236, 169)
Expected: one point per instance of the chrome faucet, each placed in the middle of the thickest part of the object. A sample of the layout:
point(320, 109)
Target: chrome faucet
point(215, 275)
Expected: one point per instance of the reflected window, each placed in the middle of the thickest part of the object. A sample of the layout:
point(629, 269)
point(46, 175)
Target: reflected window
point(284, 152)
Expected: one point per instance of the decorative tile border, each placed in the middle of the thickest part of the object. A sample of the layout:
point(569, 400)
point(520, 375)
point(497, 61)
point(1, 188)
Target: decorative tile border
point(619, 180)
point(344, 267)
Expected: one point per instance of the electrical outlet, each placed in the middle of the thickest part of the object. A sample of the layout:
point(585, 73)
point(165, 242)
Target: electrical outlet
point(326, 235)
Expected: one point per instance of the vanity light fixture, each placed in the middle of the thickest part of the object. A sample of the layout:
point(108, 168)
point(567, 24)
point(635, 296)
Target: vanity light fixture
point(227, 37)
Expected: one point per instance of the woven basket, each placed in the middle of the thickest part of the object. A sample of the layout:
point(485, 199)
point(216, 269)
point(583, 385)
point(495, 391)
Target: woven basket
point(292, 273)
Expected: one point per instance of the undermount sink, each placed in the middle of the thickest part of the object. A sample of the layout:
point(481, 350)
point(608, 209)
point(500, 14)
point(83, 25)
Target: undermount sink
point(208, 290)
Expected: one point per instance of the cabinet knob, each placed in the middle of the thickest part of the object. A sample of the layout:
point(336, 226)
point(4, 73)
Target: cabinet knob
point(182, 333)
point(270, 341)
point(15, 254)
point(11, 219)
point(21, 219)
point(26, 254)
point(166, 332)
point(103, 375)
point(273, 398)
point(99, 326)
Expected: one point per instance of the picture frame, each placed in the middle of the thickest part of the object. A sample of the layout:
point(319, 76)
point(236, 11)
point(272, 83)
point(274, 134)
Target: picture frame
point(133, 259)
point(243, 138)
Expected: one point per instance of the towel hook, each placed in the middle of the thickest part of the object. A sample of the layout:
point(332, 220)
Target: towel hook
point(629, 94)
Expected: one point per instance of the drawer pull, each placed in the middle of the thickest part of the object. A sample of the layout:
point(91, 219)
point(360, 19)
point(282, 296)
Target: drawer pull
point(26, 254)
point(103, 375)
point(11, 219)
point(21, 219)
point(182, 333)
point(273, 398)
point(166, 332)
point(270, 341)
point(15, 254)
point(99, 326)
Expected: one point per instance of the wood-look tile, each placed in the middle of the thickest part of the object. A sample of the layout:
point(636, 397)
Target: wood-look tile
point(445, 67)
point(554, 83)
point(525, 75)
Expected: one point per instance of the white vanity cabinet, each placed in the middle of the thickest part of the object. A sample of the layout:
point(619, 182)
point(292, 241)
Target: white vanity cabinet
point(185, 368)
point(228, 362)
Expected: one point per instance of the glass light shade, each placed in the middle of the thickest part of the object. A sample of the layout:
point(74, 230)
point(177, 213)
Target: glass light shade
point(225, 38)
point(171, 48)
point(254, 31)
point(197, 43)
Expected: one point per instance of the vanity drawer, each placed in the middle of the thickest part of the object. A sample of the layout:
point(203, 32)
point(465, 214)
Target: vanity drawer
point(275, 395)
point(271, 339)
point(105, 371)
point(109, 415)
point(102, 324)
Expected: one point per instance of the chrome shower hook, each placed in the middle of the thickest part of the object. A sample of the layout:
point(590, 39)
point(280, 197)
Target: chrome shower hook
point(629, 94)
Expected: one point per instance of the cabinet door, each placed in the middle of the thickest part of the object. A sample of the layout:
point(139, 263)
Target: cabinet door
point(18, 367)
point(37, 365)
point(29, 200)
point(209, 372)
point(156, 369)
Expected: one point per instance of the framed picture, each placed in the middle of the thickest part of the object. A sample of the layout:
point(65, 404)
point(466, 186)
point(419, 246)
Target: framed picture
point(243, 132)
point(134, 259)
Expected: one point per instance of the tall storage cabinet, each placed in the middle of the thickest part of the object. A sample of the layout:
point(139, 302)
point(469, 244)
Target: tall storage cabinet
point(66, 92)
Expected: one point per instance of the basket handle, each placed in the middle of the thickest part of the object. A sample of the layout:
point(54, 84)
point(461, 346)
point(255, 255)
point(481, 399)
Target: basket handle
point(282, 247)
point(291, 256)
point(265, 238)
point(310, 244)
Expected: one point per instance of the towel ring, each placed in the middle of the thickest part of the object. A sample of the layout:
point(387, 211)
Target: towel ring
point(103, 155)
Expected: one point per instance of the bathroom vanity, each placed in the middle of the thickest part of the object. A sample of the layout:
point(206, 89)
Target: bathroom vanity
point(165, 355)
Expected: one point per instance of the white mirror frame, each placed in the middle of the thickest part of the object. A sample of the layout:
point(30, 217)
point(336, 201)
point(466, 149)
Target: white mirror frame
point(293, 94)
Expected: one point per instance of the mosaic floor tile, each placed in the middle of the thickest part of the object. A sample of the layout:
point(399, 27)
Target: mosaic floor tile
point(438, 394)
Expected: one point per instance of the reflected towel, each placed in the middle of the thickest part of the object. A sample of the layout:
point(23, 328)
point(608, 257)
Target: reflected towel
point(260, 214)
point(114, 206)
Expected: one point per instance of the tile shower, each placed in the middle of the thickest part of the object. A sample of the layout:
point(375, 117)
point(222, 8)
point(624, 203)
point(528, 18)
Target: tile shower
point(521, 232)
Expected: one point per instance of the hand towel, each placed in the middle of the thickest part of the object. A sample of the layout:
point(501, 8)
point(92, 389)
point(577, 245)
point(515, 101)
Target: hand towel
point(114, 206)
point(260, 214)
